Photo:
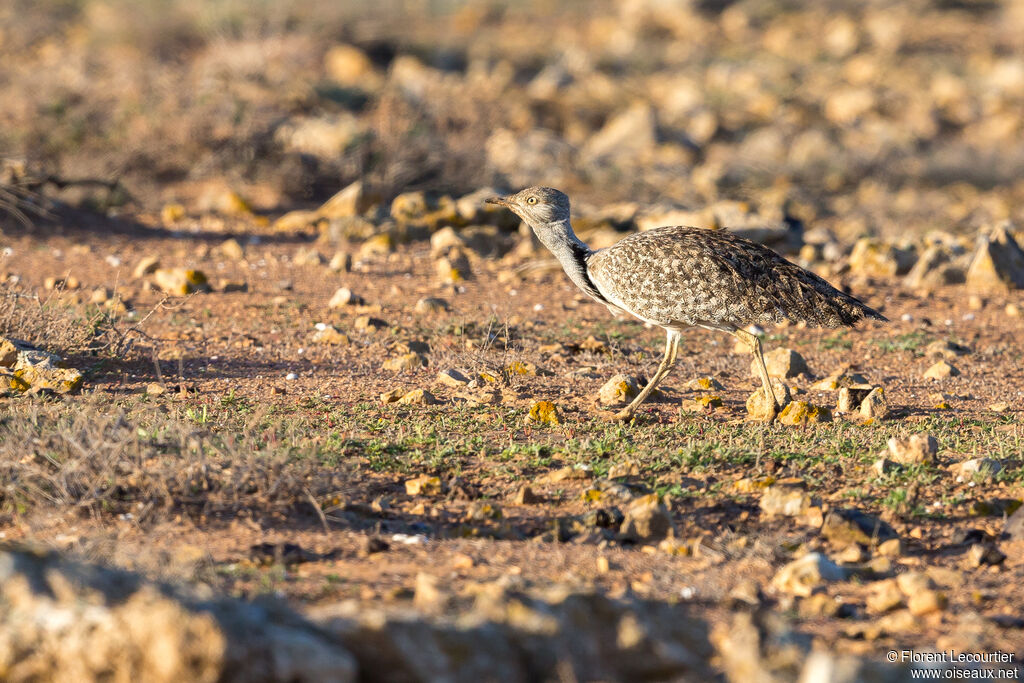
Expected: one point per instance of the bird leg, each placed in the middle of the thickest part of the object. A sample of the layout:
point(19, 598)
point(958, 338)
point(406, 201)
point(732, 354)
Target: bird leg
point(753, 342)
point(671, 351)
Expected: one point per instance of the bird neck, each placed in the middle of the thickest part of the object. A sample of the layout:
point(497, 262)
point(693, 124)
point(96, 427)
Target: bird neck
point(571, 252)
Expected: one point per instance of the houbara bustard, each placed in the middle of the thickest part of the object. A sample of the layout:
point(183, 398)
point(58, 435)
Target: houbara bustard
point(678, 277)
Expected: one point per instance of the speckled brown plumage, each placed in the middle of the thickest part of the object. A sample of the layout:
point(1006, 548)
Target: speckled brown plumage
point(678, 276)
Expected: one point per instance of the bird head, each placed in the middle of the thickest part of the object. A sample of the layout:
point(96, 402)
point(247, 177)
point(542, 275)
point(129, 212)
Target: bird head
point(538, 206)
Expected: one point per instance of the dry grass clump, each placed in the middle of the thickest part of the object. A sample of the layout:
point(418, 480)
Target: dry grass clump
point(12, 203)
point(53, 324)
point(101, 459)
point(18, 200)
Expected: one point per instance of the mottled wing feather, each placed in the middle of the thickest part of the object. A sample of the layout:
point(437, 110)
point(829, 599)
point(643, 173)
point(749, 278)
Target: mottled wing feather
point(690, 276)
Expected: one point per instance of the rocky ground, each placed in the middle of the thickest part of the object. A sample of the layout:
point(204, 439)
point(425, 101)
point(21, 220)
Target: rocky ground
point(332, 416)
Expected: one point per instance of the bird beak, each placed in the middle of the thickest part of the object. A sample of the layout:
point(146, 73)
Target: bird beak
point(500, 201)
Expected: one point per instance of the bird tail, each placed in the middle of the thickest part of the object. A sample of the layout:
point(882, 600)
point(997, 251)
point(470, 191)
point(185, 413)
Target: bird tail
point(823, 305)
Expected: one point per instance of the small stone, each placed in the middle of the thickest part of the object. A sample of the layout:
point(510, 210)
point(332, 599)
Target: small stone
point(874, 406)
point(782, 363)
point(703, 384)
point(892, 548)
point(912, 583)
point(444, 239)
point(429, 596)
point(803, 413)
point(916, 449)
point(8, 352)
point(980, 555)
point(544, 412)
point(462, 561)
point(877, 566)
point(619, 390)
point(936, 267)
point(155, 389)
point(452, 378)
point(518, 367)
point(432, 305)
point(760, 408)
point(755, 484)
point(349, 66)
point(885, 596)
point(378, 245)
point(65, 283)
point(999, 407)
point(851, 398)
point(846, 527)
point(994, 507)
point(38, 370)
point(228, 202)
point(145, 266)
point(481, 397)
point(646, 519)
point(819, 605)
point(884, 466)
point(945, 349)
point(627, 135)
point(524, 495)
point(976, 469)
point(568, 473)
point(180, 281)
point(344, 297)
point(365, 322)
point(420, 208)
point(998, 264)
point(296, 221)
point(331, 335)
point(840, 379)
point(341, 262)
point(1012, 310)
point(746, 592)
point(786, 501)
point(1013, 529)
point(172, 213)
point(452, 270)
point(419, 397)
point(392, 395)
point(941, 370)
point(307, 257)
point(926, 602)
point(876, 259)
point(803, 576)
point(702, 404)
point(423, 485)
point(324, 135)
point(482, 510)
point(404, 362)
point(622, 470)
point(230, 248)
point(291, 376)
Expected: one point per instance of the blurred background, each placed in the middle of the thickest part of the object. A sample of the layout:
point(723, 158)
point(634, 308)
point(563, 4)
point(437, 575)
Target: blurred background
point(886, 118)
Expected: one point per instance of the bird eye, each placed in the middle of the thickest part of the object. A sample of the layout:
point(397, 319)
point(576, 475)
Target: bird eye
point(531, 200)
